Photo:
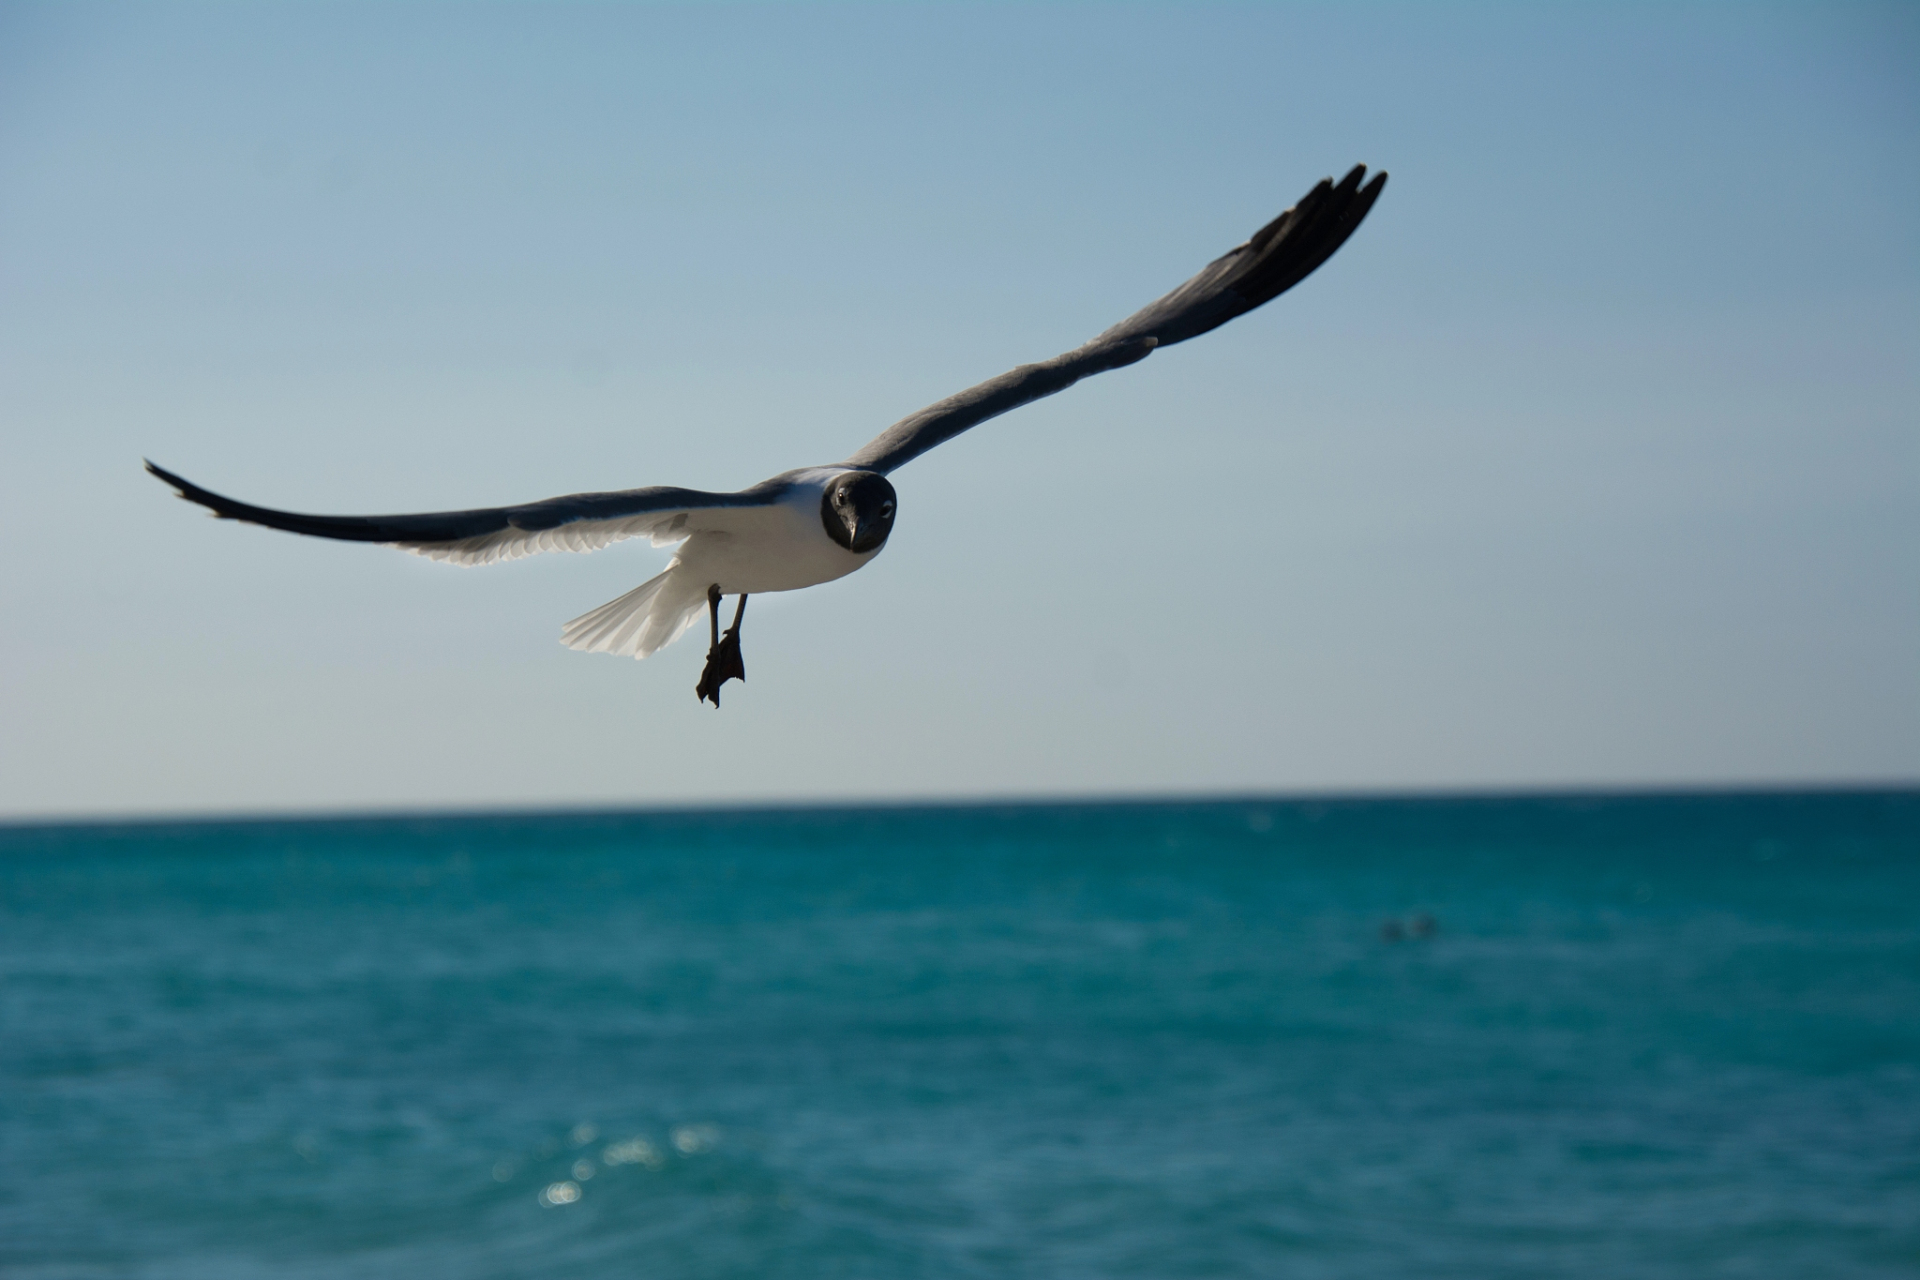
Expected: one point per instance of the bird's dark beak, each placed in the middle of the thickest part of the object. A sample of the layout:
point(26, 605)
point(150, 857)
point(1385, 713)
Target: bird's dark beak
point(855, 525)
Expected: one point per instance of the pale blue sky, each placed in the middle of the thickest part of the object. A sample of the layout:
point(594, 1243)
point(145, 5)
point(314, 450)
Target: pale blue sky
point(1593, 459)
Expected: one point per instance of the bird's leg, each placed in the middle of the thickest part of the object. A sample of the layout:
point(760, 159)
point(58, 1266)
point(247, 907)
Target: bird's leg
point(723, 655)
point(733, 667)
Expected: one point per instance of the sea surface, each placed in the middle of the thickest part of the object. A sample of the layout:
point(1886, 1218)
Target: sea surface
point(1582, 1036)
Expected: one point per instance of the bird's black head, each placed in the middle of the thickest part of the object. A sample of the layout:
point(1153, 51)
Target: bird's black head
point(857, 509)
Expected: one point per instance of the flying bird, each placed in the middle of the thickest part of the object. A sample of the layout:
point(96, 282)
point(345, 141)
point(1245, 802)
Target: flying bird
point(805, 527)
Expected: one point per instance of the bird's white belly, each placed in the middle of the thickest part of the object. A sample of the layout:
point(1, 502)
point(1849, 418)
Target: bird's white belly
point(778, 548)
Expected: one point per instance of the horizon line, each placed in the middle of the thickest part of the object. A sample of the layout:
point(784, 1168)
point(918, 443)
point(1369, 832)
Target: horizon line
point(1061, 800)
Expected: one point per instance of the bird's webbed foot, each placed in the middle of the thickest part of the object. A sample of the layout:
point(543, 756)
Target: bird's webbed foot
point(723, 664)
point(723, 654)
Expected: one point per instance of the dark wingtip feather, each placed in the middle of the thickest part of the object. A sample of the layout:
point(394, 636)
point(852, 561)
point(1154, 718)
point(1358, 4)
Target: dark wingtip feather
point(1369, 193)
point(1294, 245)
point(188, 491)
point(181, 487)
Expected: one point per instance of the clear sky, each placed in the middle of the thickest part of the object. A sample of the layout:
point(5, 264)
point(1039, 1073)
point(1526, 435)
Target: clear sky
point(1593, 459)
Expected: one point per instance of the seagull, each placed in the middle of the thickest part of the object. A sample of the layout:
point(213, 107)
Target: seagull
point(805, 527)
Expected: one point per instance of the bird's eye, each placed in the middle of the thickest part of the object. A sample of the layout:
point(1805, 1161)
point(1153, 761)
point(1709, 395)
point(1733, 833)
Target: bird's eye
point(886, 508)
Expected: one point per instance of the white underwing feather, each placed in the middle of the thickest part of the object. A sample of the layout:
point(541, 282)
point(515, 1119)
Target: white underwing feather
point(662, 528)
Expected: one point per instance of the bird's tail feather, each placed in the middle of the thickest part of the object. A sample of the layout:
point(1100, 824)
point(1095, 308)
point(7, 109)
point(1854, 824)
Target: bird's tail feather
point(649, 617)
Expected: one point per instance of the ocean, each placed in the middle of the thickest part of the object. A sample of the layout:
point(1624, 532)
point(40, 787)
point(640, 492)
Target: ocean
point(1650, 1036)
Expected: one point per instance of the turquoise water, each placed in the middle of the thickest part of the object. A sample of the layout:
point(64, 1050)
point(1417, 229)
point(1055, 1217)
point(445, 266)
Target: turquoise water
point(1652, 1036)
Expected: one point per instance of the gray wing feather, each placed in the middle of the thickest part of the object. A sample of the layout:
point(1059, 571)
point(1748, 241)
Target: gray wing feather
point(575, 522)
point(1279, 256)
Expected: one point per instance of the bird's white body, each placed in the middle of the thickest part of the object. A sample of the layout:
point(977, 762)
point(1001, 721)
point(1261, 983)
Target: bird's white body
point(781, 546)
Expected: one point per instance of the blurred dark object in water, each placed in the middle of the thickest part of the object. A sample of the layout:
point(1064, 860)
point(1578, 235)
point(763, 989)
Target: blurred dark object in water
point(1420, 925)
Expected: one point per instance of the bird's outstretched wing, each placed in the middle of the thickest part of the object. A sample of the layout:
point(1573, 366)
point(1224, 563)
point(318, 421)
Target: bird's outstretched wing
point(576, 522)
point(1279, 256)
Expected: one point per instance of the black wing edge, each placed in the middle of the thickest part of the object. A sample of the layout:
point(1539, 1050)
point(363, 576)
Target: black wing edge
point(1273, 260)
point(1278, 256)
point(453, 526)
